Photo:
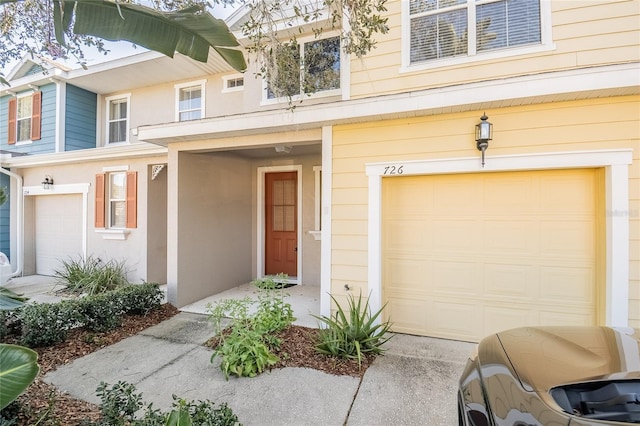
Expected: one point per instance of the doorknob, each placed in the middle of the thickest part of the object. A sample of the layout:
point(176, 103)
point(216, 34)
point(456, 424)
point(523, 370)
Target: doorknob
point(295, 249)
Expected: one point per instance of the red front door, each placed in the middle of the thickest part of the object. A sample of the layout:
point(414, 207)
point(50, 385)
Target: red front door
point(281, 223)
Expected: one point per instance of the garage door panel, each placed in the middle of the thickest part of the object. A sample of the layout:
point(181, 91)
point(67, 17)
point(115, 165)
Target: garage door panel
point(571, 284)
point(58, 236)
point(453, 235)
point(521, 200)
point(509, 280)
point(408, 314)
point(509, 236)
point(467, 195)
point(454, 277)
point(405, 273)
point(567, 317)
point(459, 319)
point(407, 236)
point(572, 191)
point(489, 251)
point(569, 239)
point(499, 317)
point(413, 197)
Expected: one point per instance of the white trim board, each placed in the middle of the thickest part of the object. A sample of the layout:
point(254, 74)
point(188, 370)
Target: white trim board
point(616, 164)
point(260, 219)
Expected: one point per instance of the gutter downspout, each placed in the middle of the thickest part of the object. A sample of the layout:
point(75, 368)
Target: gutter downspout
point(19, 219)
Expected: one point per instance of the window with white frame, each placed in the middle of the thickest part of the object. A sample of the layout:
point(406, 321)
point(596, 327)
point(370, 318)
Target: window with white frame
point(116, 203)
point(117, 212)
point(23, 118)
point(232, 83)
point(442, 29)
point(190, 101)
point(318, 69)
point(118, 119)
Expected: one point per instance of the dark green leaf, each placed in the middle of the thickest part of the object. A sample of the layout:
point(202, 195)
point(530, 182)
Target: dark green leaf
point(18, 369)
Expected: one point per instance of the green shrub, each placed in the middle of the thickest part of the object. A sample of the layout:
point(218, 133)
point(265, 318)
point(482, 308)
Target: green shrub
point(48, 323)
point(92, 275)
point(121, 402)
point(246, 346)
point(45, 324)
point(100, 312)
point(205, 413)
point(354, 333)
point(140, 299)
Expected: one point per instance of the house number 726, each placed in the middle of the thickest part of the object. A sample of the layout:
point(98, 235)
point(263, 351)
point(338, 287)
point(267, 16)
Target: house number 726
point(393, 170)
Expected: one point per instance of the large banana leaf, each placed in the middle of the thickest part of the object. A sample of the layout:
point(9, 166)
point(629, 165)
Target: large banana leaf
point(191, 31)
point(18, 369)
point(10, 300)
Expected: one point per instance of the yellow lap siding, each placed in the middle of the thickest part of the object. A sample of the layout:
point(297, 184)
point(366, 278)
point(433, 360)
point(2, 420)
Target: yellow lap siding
point(608, 123)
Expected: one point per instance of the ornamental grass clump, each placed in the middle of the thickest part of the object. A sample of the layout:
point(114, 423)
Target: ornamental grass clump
point(352, 333)
point(91, 275)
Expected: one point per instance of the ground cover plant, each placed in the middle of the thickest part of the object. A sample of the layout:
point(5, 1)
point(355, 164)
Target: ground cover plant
point(246, 346)
point(121, 405)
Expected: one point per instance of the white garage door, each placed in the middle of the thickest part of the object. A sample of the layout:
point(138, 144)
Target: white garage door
point(58, 233)
point(468, 255)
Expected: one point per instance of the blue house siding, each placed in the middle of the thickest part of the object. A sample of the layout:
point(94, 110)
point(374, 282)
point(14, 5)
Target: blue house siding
point(80, 123)
point(47, 143)
point(5, 219)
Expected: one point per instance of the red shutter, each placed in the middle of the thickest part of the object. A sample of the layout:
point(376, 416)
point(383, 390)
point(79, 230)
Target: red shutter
point(36, 116)
point(100, 207)
point(13, 115)
point(132, 199)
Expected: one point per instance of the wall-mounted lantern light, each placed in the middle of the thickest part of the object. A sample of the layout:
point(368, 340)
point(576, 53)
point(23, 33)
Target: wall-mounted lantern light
point(484, 133)
point(47, 183)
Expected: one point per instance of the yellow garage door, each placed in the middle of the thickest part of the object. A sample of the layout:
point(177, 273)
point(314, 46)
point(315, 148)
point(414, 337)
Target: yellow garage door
point(470, 254)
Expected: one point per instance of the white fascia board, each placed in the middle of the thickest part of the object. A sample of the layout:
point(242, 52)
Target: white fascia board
point(595, 81)
point(84, 155)
point(136, 58)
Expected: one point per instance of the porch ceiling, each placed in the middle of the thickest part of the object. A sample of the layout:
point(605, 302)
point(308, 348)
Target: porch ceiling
point(270, 151)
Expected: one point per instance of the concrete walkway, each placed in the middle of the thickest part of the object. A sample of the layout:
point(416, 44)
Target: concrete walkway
point(413, 384)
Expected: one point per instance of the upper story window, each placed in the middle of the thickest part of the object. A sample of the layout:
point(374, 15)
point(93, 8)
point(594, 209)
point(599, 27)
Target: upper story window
point(441, 29)
point(232, 83)
point(25, 118)
point(318, 70)
point(118, 119)
point(190, 101)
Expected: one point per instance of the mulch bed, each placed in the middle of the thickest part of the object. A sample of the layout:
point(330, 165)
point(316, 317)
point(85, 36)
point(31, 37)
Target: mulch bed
point(43, 402)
